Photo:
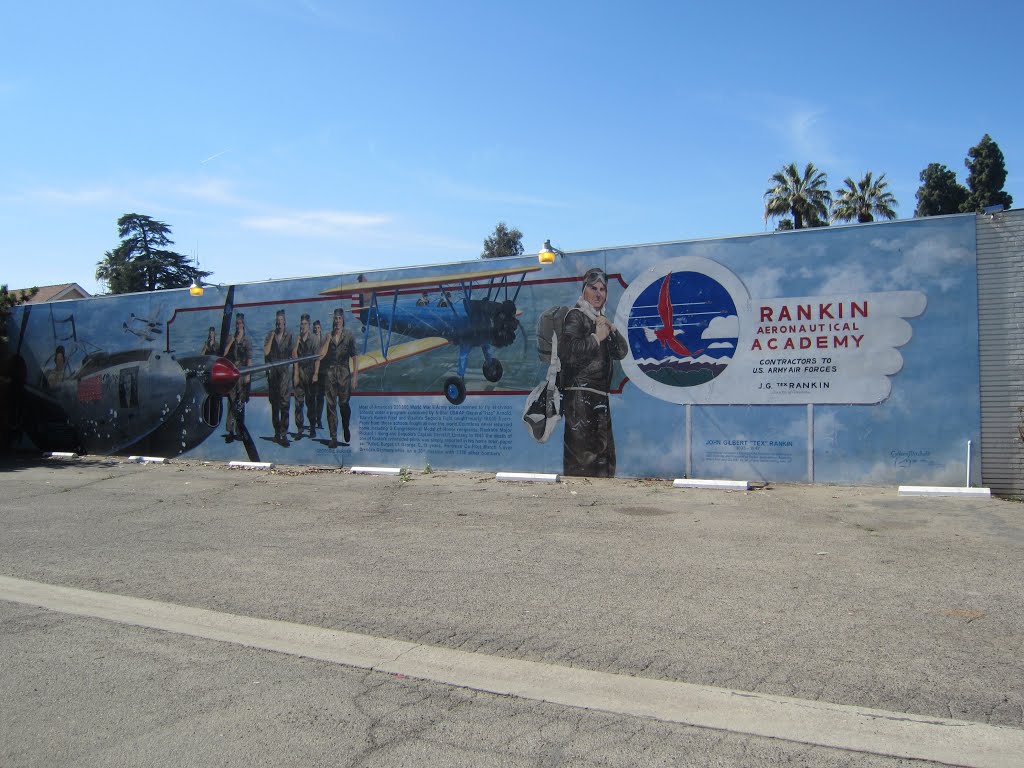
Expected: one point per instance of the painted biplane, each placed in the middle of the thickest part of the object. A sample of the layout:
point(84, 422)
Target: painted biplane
point(468, 309)
point(144, 399)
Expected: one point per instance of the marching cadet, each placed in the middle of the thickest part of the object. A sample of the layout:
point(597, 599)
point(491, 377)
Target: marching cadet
point(318, 380)
point(305, 375)
point(336, 355)
point(239, 352)
point(277, 347)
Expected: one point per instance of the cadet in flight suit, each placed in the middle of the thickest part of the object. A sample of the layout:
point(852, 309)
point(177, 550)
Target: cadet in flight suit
point(305, 375)
point(239, 352)
point(338, 349)
point(278, 346)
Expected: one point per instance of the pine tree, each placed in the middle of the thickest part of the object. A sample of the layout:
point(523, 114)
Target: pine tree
point(142, 262)
point(940, 193)
point(986, 175)
point(503, 242)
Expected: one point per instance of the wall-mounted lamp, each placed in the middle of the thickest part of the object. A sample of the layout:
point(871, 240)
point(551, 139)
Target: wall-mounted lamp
point(196, 289)
point(548, 253)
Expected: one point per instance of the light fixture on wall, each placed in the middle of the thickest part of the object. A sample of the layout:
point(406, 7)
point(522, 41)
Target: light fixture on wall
point(196, 289)
point(548, 253)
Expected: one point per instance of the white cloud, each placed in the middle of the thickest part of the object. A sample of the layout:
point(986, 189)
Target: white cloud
point(930, 259)
point(216, 191)
point(766, 282)
point(722, 328)
point(100, 193)
point(317, 223)
point(721, 345)
point(851, 278)
point(803, 127)
point(803, 130)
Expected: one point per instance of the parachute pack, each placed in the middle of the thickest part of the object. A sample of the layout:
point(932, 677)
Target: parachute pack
point(549, 325)
point(543, 410)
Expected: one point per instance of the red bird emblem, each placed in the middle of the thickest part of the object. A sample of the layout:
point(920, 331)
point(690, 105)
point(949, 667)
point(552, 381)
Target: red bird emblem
point(667, 334)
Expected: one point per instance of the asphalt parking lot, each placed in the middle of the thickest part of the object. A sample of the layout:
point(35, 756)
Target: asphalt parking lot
point(847, 596)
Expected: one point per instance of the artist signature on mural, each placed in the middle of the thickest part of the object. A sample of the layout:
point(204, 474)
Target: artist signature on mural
point(905, 459)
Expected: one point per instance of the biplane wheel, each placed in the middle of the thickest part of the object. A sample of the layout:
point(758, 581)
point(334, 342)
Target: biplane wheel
point(492, 369)
point(455, 390)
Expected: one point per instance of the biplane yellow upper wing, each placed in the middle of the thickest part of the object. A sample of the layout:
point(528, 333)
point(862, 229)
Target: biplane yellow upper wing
point(417, 282)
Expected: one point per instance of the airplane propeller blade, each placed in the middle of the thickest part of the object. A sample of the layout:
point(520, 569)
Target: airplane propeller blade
point(24, 326)
point(250, 444)
point(225, 320)
point(267, 366)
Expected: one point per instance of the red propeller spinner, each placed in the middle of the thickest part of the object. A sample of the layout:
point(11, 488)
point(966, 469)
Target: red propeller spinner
point(223, 376)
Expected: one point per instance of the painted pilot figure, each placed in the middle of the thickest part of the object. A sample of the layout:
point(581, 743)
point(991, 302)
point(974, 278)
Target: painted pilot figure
point(305, 375)
point(210, 347)
point(59, 372)
point(587, 349)
point(239, 352)
point(277, 347)
point(337, 353)
point(317, 408)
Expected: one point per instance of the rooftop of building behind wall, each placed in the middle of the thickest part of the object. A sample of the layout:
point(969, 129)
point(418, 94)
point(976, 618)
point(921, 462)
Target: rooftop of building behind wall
point(59, 292)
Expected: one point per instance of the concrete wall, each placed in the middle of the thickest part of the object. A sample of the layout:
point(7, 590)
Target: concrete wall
point(844, 354)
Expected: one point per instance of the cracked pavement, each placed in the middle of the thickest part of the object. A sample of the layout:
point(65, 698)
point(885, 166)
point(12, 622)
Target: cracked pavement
point(846, 595)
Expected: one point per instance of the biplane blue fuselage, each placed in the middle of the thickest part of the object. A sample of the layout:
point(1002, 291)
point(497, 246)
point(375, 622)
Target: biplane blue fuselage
point(464, 321)
point(487, 319)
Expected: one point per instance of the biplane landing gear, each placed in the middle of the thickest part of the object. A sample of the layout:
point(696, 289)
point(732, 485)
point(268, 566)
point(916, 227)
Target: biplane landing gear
point(454, 390)
point(492, 370)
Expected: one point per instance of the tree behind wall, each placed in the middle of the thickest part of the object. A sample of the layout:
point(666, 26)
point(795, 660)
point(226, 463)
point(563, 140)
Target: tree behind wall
point(9, 300)
point(503, 242)
point(863, 200)
point(803, 195)
point(986, 175)
point(142, 261)
point(940, 193)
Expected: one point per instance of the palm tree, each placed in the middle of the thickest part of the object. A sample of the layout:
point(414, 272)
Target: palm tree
point(804, 196)
point(864, 200)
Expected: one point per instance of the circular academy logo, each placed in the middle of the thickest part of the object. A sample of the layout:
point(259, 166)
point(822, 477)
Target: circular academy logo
point(682, 325)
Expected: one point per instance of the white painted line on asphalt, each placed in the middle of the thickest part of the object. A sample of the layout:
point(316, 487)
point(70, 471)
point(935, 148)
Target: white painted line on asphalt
point(858, 729)
point(377, 470)
point(725, 485)
point(526, 477)
point(938, 490)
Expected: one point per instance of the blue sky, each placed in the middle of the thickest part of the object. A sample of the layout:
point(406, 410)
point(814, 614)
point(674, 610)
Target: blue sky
point(284, 138)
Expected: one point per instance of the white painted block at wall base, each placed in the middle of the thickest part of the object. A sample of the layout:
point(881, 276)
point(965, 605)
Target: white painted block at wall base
point(148, 459)
point(937, 490)
point(251, 464)
point(724, 485)
point(377, 470)
point(526, 477)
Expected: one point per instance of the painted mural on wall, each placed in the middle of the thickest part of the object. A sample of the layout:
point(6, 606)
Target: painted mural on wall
point(840, 355)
